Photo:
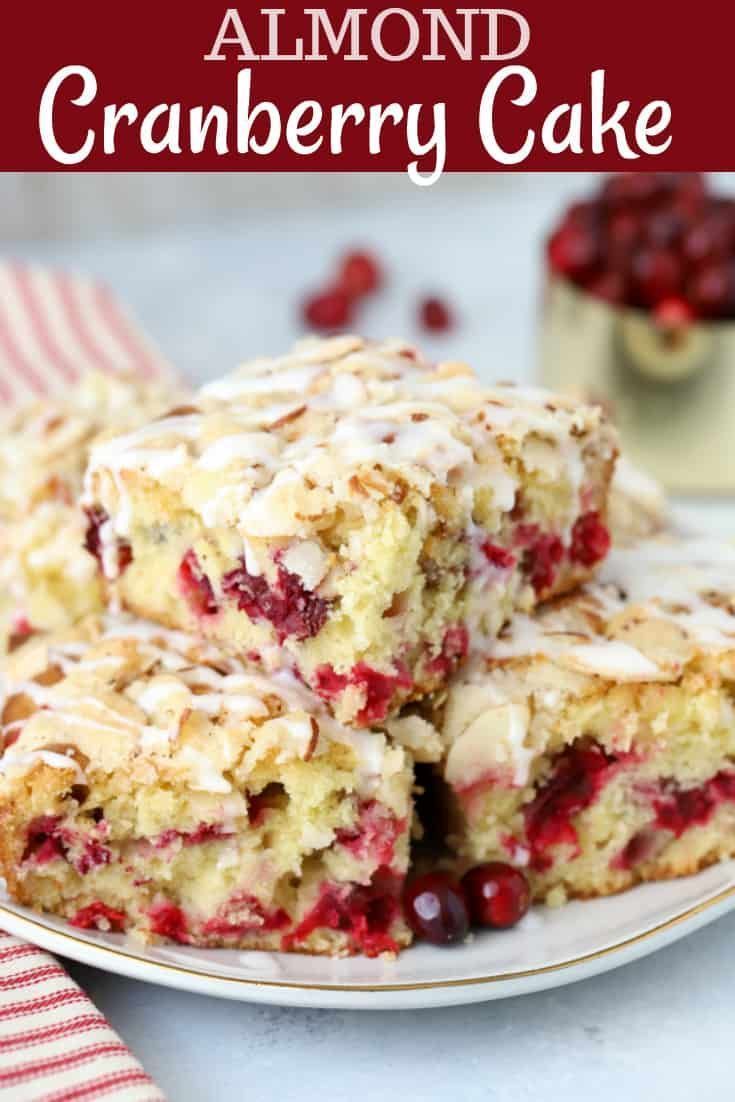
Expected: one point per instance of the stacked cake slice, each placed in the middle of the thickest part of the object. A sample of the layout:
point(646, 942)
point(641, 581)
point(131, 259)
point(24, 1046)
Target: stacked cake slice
point(596, 747)
point(325, 569)
point(354, 514)
point(47, 577)
point(155, 785)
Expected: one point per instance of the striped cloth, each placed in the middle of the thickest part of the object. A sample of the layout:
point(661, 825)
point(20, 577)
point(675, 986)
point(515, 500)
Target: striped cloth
point(54, 326)
point(55, 1046)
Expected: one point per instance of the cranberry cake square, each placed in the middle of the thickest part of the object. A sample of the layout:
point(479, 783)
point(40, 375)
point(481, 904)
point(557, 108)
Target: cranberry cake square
point(596, 748)
point(47, 577)
point(352, 513)
point(151, 784)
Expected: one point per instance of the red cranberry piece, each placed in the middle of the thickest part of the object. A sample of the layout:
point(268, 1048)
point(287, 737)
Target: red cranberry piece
point(498, 556)
point(664, 228)
point(574, 251)
point(435, 908)
point(329, 309)
point(609, 286)
point(633, 187)
point(690, 188)
point(292, 609)
point(579, 774)
point(436, 315)
point(497, 895)
point(359, 274)
point(380, 690)
point(673, 313)
point(712, 291)
point(196, 586)
point(167, 920)
point(623, 231)
point(590, 540)
point(98, 916)
point(657, 273)
point(540, 561)
point(96, 517)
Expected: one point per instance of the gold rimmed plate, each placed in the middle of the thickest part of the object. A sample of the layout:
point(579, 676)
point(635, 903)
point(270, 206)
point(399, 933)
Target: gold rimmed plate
point(551, 947)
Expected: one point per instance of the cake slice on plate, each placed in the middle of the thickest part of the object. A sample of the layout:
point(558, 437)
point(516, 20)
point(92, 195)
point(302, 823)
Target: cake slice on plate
point(596, 748)
point(48, 578)
point(353, 513)
point(151, 784)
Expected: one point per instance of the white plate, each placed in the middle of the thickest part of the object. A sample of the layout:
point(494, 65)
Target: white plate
point(548, 949)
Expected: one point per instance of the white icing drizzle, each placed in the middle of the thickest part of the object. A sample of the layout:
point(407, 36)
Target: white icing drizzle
point(174, 676)
point(687, 583)
point(277, 432)
point(23, 761)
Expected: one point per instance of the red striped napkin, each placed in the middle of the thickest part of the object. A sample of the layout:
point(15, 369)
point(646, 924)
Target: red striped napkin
point(54, 326)
point(55, 1046)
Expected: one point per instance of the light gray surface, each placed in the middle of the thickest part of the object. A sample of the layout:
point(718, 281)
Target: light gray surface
point(660, 1028)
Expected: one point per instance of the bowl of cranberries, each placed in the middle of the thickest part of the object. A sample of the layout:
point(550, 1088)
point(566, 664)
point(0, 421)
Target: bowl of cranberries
point(655, 254)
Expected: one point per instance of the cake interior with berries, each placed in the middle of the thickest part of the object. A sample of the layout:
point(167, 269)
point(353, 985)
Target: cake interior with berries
point(48, 578)
point(153, 785)
point(596, 749)
point(353, 513)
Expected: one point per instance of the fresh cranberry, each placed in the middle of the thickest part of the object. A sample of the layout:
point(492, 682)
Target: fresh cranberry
point(329, 309)
point(436, 315)
point(359, 274)
point(664, 228)
point(657, 273)
point(497, 894)
point(574, 251)
point(196, 586)
point(712, 291)
point(99, 916)
point(435, 908)
point(609, 286)
point(633, 187)
point(673, 313)
point(96, 518)
point(293, 610)
point(623, 231)
point(590, 540)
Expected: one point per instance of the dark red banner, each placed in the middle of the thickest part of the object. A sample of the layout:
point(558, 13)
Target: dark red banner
point(556, 86)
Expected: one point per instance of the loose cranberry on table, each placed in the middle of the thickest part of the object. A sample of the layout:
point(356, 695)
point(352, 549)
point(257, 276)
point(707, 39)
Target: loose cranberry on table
point(497, 895)
point(329, 309)
point(658, 242)
point(436, 315)
point(360, 273)
point(435, 908)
